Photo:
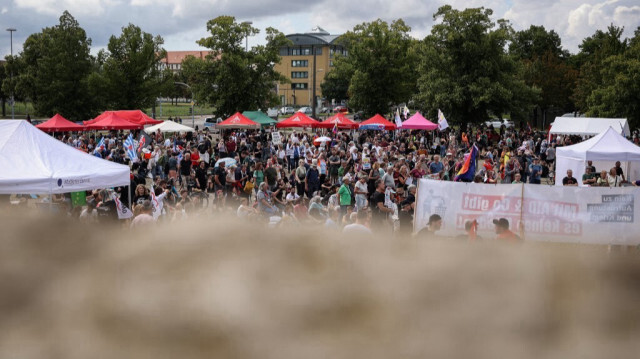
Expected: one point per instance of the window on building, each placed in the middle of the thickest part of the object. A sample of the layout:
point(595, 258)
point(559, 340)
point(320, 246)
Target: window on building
point(299, 74)
point(299, 63)
point(300, 86)
point(318, 51)
point(295, 52)
point(306, 51)
point(331, 63)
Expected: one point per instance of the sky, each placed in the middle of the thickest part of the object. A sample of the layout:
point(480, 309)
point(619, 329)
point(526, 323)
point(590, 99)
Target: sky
point(182, 22)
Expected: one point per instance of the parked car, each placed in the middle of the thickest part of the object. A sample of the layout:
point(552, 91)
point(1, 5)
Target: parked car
point(211, 122)
point(287, 110)
point(325, 109)
point(272, 112)
point(497, 123)
point(342, 109)
point(305, 110)
point(359, 116)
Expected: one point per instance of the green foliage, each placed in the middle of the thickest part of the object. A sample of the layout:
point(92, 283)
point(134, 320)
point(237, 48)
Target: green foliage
point(336, 83)
point(465, 71)
point(53, 69)
point(594, 50)
point(380, 67)
point(233, 79)
point(129, 75)
point(545, 66)
point(618, 93)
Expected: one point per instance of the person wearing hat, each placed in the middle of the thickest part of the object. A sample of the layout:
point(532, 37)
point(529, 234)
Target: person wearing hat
point(434, 225)
point(503, 232)
point(145, 217)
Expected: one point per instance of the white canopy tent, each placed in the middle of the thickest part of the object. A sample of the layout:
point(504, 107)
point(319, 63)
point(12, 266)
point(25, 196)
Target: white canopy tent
point(604, 150)
point(168, 126)
point(588, 126)
point(34, 162)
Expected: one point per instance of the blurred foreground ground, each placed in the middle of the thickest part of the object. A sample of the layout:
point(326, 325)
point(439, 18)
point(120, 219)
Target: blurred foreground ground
point(232, 290)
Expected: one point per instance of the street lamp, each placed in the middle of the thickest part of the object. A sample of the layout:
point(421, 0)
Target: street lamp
point(193, 115)
point(11, 30)
point(246, 46)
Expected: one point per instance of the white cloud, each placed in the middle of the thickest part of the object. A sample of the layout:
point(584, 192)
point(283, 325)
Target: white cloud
point(182, 22)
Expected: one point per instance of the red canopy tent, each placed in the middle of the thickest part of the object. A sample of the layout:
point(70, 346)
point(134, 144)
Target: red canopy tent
point(135, 116)
point(113, 122)
point(238, 120)
point(377, 121)
point(299, 119)
point(340, 120)
point(58, 123)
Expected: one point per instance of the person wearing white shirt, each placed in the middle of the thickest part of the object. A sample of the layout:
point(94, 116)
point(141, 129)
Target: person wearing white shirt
point(292, 196)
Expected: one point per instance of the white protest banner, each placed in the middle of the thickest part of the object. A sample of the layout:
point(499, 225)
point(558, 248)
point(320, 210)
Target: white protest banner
point(123, 211)
point(563, 214)
point(276, 139)
point(458, 202)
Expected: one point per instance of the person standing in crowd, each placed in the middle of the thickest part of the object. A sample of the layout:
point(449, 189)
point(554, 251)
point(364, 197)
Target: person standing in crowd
point(589, 178)
point(185, 169)
point(379, 212)
point(535, 170)
point(144, 217)
point(312, 179)
point(569, 180)
point(360, 226)
point(344, 194)
point(434, 225)
point(361, 191)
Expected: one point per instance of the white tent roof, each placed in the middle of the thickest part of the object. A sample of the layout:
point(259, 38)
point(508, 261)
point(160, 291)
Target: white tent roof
point(588, 126)
point(607, 146)
point(34, 162)
point(168, 126)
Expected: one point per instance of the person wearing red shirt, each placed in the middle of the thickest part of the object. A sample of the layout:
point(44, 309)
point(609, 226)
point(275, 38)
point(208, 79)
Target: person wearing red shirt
point(503, 232)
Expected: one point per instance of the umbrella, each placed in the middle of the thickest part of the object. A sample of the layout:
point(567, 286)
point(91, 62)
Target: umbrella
point(322, 139)
point(228, 161)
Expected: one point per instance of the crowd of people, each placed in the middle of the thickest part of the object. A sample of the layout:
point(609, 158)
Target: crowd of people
point(358, 181)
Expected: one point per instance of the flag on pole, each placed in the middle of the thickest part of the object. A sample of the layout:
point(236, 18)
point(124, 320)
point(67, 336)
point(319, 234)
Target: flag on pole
point(473, 231)
point(129, 146)
point(335, 128)
point(398, 120)
point(99, 148)
point(141, 143)
point(442, 122)
point(405, 112)
point(468, 169)
point(123, 211)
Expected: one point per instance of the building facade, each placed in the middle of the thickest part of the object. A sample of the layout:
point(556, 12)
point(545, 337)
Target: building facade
point(305, 63)
point(174, 59)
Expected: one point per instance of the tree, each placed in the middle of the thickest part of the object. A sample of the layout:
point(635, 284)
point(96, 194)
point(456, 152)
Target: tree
point(52, 71)
point(466, 72)
point(594, 50)
point(618, 95)
point(336, 84)
point(232, 78)
point(130, 76)
point(545, 68)
point(380, 66)
point(4, 96)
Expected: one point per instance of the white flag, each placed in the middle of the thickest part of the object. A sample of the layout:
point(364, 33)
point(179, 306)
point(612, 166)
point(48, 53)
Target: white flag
point(442, 122)
point(123, 211)
point(406, 112)
point(398, 120)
